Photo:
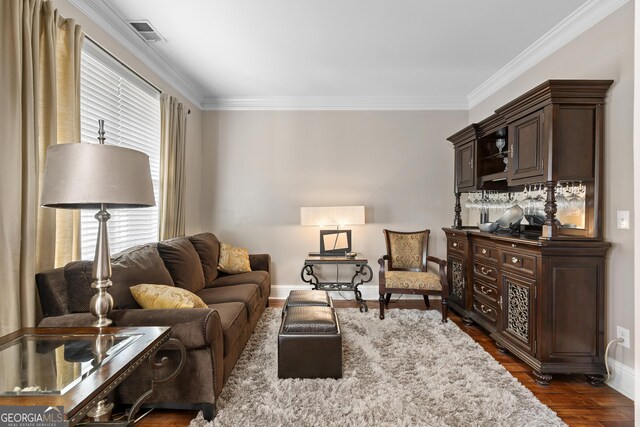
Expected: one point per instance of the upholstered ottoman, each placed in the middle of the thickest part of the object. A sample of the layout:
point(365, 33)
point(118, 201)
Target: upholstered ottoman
point(309, 343)
point(303, 298)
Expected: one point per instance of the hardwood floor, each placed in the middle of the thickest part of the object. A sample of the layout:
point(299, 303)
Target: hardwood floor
point(575, 401)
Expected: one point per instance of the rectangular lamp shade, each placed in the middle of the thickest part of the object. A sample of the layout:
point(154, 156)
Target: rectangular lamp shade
point(332, 215)
point(84, 176)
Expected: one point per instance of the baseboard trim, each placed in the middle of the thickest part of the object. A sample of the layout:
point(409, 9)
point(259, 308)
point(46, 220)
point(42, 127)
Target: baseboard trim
point(622, 378)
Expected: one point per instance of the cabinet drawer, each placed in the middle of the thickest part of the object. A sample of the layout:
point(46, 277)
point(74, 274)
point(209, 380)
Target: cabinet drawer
point(524, 264)
point(485, 309)
point(457, 245)
point(485, 271)
point(485, 252)
point(487, 290)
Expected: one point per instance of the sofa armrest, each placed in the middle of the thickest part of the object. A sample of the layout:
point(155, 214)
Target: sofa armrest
point(194, 327)
point(260, 262)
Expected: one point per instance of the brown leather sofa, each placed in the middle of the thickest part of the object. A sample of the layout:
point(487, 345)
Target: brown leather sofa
point(214, 337)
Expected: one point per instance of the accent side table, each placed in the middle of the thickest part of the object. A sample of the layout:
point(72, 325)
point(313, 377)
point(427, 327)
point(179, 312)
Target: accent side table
point(362, 274)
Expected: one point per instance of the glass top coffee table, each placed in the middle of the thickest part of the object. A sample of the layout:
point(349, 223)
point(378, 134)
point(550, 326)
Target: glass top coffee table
point(74, 369)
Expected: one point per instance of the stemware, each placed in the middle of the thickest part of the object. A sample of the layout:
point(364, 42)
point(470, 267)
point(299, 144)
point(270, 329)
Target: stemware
point(561, 200)
point(575, 200)
point(540, 199)
point(527, 200)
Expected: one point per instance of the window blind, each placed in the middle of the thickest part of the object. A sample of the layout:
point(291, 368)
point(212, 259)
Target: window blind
point(130, 108)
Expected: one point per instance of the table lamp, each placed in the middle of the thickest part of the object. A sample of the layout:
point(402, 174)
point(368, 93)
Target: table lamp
point(336, 242)
point(97, 176)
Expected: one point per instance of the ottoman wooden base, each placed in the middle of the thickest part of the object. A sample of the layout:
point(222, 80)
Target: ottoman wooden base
point(310, 343)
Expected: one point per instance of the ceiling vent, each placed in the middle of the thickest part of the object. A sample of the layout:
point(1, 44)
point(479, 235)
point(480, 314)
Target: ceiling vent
point(146, 30)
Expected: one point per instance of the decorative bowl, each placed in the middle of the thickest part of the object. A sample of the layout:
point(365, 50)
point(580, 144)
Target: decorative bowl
point(488, 227)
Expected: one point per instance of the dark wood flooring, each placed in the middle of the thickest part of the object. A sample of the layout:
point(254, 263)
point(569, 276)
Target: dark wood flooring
point(575, 401)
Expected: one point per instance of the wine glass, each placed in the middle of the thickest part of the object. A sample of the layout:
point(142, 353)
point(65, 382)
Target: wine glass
point(561, 201)
point(527, 200)
point(575, 200)
point(540, 199)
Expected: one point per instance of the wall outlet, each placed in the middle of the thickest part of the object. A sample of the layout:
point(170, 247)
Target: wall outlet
point(624, 334)
point(623, 220)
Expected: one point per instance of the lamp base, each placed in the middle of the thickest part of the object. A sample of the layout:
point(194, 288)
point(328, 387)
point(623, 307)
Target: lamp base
point(101, 304)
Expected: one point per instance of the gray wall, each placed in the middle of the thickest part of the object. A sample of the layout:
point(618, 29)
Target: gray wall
point(261, 167)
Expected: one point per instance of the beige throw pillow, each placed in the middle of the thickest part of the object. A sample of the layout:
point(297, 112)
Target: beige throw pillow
point(233, 260)
point(163, 296)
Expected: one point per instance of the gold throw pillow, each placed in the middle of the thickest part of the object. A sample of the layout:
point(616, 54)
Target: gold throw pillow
point(164, 296)
point(233, 260)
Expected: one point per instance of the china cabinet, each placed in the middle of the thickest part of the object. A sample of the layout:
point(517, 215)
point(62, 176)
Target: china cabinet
point(537, 288)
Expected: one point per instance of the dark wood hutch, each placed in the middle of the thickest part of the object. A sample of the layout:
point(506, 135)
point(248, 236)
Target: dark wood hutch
point(539, 292)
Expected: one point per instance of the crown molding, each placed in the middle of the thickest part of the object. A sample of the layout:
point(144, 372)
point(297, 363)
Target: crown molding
point(115, 26)
point(568, 29)
point(575, 24)
point(362, 103)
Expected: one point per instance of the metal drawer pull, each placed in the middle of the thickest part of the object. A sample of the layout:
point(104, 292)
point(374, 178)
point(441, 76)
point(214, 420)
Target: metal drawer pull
point(484, 252)
point(513, 245)
point(485, 311)
point(455, 245)
point(484, 290)
point(514, 260)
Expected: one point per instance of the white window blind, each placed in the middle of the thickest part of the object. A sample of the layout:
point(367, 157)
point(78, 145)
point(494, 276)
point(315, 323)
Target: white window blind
point(130, 108)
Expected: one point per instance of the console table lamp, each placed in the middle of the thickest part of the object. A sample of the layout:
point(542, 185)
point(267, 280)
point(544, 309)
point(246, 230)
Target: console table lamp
point(97, 176)
point(336, 216)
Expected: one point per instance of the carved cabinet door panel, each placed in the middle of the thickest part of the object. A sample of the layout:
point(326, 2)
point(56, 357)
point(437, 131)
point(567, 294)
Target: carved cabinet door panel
point(518, 311)
point(457, 275)
point(465, 168)
point(526, 148)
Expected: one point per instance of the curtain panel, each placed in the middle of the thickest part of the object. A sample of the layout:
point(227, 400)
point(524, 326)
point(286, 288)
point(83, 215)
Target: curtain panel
point(40, 56)
point(173, 124)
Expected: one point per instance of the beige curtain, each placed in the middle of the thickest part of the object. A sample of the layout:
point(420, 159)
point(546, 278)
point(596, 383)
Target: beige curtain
point(173, 124)
point(40, 56)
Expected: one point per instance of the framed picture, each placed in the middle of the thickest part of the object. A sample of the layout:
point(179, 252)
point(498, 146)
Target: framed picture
point(335, 242)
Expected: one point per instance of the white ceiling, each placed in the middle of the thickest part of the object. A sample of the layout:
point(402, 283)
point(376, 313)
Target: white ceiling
point(382, 52)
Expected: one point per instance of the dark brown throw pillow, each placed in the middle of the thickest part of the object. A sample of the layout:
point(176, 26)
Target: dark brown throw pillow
point(139, 264)
point(208, 248)
point(183, 263)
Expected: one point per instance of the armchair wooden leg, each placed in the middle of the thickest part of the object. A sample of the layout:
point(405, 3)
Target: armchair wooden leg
point(426, 300)
point(387, 299)
point(381, 300)
point(445, 309)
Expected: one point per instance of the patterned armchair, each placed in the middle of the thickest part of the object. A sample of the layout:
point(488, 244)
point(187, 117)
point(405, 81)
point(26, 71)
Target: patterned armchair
point(404, 269)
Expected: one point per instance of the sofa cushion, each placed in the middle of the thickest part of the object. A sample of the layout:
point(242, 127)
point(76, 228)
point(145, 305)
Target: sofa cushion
point(259, 277)
point(233, 260)
point(183, 263)
point(139, 264)
point(208, 248)
point(163, 296)
point(248, 294)
point(233, 319)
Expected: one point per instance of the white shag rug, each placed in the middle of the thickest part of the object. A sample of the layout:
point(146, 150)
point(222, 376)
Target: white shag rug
point(407, 370)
